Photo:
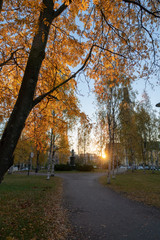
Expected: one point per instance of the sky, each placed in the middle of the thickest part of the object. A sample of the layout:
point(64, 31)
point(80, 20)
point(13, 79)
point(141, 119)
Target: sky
point(152, 91)
point(88, 101)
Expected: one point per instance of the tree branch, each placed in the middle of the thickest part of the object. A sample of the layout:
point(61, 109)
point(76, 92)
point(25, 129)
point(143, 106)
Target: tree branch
point(61, 9)
point(142, 7)
point(10, 58)
point(106, 49)
point(40, 98)
point(154, 51)
point(116, 30)
point(52, 97)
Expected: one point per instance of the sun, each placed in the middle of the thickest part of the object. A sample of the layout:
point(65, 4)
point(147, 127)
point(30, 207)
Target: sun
point(104, 155)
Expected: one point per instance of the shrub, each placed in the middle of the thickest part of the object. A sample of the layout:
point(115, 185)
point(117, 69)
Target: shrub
point(63, 167)
point(86, 168)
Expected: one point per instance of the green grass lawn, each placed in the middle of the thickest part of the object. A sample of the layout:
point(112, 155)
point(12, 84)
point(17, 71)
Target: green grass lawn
point(138, 186)
point(30, 208)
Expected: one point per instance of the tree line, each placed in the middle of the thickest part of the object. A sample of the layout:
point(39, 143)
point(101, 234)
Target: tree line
point(128, 129)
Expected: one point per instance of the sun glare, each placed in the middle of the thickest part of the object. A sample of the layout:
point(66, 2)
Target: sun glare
point(104, 156)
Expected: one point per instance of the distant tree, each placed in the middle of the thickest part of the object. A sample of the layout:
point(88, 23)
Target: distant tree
point(22, 151)
point(84, 131)
point(59, 143)
point(147, 128)
point(108, 98)
point(127, 127)
point(100, 129)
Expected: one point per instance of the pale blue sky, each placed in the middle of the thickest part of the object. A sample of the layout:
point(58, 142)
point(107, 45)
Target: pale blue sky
point(88, 98)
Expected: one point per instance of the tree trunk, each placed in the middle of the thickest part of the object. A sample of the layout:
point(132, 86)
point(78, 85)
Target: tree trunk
point(37, 162)
point(109, 167)
point(29, 163)
point(50, 156)
point(1, 5)
point(53, 163)
point(110, 156)
point(24, 103)
point(110, 147)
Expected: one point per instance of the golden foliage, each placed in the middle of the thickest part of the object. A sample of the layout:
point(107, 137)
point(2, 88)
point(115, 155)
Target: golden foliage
point(114, 29)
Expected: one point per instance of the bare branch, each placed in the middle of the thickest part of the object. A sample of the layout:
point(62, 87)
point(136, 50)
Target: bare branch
point(61, 9)
point(142, 7)
point(116, 30)
point(150, 35)
point(106, 49)
point(64, 32)
point(40, 98)
point(52, 97)
point(10, 58)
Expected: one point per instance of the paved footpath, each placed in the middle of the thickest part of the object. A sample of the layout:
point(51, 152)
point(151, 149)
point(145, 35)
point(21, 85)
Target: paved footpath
point(98, 213)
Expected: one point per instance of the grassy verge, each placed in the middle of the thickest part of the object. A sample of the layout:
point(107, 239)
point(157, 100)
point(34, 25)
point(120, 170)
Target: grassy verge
point(30, 208)
point(138, 186)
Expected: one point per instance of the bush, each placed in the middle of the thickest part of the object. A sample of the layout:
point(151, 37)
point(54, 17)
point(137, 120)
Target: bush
point(63, 167)
point(86, 168)
point(67, 167)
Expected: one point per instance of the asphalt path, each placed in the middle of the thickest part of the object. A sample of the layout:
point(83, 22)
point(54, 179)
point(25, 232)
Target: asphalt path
point(98, 213)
